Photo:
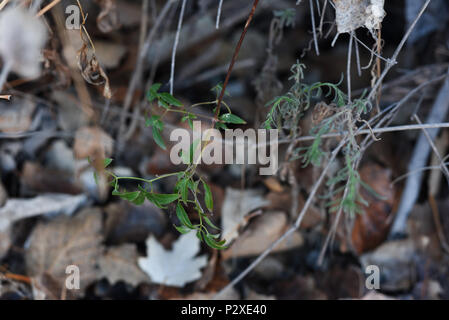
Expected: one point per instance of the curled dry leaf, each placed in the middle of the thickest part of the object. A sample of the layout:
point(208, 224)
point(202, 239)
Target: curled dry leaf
point(261, 233)
point(67, 241)
point(22, 37)
point(92, 71)
point(238, 204)
point(108, 19)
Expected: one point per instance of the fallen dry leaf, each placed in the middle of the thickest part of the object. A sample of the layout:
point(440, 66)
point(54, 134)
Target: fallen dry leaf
point(299, 288)
point(260, 234)
point(5, 241)
point(238, 204)
point(273, 184)
point(22, 37)
point(17, 118)
point(397, 264)
point(120, 263)
point(67, 241)
point(91, 141)
point(372, 226)
point(126, 222)
point(45, 287)
point(283, 202)
point(36, 178)
point(176, 267)
point(17, 209)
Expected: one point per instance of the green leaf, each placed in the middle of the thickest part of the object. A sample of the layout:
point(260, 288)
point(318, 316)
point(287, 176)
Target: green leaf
point(167, 97)
point(199, 236)
point(210, 223)
point(221, 125)
point(183, 217)
point(155, 121)
point(208, 199)
point(96, 178)
point(212, 243)
point(186, 157)
point(162, 199)
point(163, 104)
point(157, 136)
point(107, 162)
point(192, 186)
point(218, 88)
point(152, 93)
point(189, 118)
point(182, 187)
point(129, 196)
point(182, 229)
point(232, 118)
point(166, 198)
point(140, 199)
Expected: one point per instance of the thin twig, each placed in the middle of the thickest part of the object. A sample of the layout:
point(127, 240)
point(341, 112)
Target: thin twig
point(348, 67)
point(4, 73)
point(392, 61)
point(143, 34)
point(309, 200)
point(390, 112)
point(175, 46)
point(138, 70)
point(220, 6)
point(3, 4)
point(333, 230)
point(47, 8)
point(357, 56)
point(419, 159)
point(369, 132)
point(434, 148)
point(234, 58)
point(315, 37)
point(292, 229)
point(320, 28)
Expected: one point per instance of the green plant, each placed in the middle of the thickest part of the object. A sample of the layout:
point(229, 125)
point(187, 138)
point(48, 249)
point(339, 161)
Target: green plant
point(189, 187)
point(333, 112)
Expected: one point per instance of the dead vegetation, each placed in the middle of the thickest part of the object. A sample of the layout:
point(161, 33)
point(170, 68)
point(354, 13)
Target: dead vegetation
point(359, 92)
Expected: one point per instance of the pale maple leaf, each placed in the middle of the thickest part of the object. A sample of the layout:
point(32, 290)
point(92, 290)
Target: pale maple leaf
point(176, 267)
